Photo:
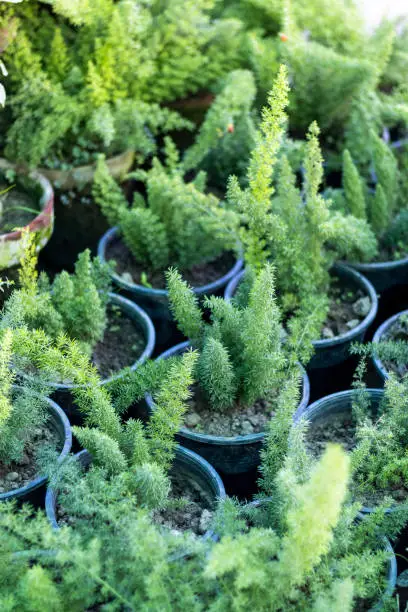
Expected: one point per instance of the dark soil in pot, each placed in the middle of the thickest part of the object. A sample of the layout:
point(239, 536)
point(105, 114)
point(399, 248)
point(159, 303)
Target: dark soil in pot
point(18, 208)
point(348, 307)
point(340, 429)
point(237, 420)
point(79, 224)
point(134, 272)
point(188, 507)
point(122, 344)
point(19, 474)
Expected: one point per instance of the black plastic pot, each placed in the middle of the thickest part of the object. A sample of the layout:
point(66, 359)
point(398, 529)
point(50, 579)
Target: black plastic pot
point(33, 490)
point(384, 275)
point(186, 463)
point(332, 352)
point(377, 338)
point(338, 403)
point(229, 455)
point(62, 393)
point(155, 301)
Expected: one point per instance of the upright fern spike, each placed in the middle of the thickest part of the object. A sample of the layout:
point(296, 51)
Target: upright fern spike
point(379, 212)
point(6, 376)
point(107, 193)
point(28, 274)
point(216, 374)
point(353, 187)
point(184, 306)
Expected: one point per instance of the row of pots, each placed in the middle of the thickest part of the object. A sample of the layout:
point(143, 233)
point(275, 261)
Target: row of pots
point(188, 465)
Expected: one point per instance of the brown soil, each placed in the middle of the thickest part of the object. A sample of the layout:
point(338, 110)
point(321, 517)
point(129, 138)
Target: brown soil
point(122, 343)
point(19, 474)
point(188, 508)
point(197, 276)
point(237, 420)
point(348, 307)
point(18, 208)
point(338, 428)
point(397, 331)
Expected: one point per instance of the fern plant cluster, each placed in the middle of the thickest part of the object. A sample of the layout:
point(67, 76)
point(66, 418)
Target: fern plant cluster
point(91, 78)
point(177, 224)
point(339, 563)
point(298, 229)
point(73, 304)
point(242, 355)
point(384, 207)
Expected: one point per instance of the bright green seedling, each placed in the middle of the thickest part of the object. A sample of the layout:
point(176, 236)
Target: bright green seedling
point(384, 209)
point(297, 229)
point(242, 357)
point(142, 456)
point(177, 225)
point(75, 304)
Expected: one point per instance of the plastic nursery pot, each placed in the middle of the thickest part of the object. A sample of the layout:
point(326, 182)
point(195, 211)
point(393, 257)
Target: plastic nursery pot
point(384, 275)
point(155, 301)
point(62, 392)
point(336, 404)
point(331, 352)
point(378, 337)
point(12, 243)
point(186, 464)
point(59, 423)
point(230, 455)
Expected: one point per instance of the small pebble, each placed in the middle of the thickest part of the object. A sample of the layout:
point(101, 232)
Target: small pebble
point(247, 428)
point(327, 333)
point(353, 323)
point(205, 520)
point(192, 419)
point(12, 476)
point(127, 277)
point(362, 306)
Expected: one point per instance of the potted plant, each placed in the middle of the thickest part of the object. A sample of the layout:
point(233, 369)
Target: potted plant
point(371, 425)
point(29, 421)
point(340, 302)
point(304, 546)
point(137, 462)
point(177, 224)
point(244, 372)
point(113, 331)
point(69, 100)
point(384, 209)
point(390, 346)
point(26, 204)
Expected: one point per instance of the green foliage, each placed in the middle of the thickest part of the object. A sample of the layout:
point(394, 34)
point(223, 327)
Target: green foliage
point(184, 305)
point(242, 357)
point(142, 456)
point(216, 374)
point(231, 107)
point(379, 215)
point(386, 169)
point(353, 187)
point(74, 304)
point(6, 377)
point(325, 83)
point(179, 224)
point(170, 406)
point(254, 202)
